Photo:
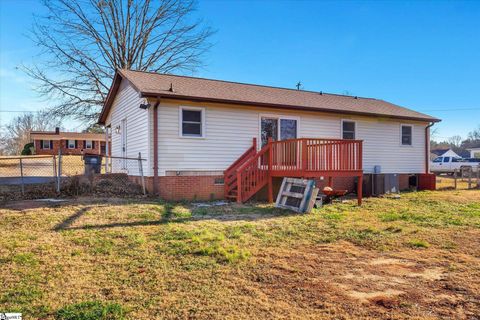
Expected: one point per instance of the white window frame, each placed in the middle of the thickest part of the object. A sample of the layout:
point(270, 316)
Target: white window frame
point(203, 123)
point(86, 144)
point(279, 117)
point(400, 136)
point(354, 128)
point(43, 144)
point(68, 143)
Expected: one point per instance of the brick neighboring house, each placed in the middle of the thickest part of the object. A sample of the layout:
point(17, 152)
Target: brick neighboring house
point(49, 142)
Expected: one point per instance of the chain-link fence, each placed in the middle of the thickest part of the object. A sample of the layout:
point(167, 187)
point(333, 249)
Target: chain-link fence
point(464, 179)
point(37, 176)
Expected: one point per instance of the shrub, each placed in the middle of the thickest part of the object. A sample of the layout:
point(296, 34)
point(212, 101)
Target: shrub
point(27, 149)
point(91, 310)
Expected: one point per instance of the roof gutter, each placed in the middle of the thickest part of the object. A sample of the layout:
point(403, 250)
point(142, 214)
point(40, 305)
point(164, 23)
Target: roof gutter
point(427, 147)
point(280, 106)
point(155, 146)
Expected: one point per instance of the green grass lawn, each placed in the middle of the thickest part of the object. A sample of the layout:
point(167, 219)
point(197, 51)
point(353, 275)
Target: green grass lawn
point(136, 259)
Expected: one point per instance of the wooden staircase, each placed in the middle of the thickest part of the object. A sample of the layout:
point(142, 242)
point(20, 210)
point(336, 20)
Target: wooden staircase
point(231, 175)
point(304, 157)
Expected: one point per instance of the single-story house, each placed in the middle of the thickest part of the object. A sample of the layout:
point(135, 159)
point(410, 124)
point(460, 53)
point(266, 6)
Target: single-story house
point(474, 152)
point(445, 152)
point(205, 139)
point(71, 143)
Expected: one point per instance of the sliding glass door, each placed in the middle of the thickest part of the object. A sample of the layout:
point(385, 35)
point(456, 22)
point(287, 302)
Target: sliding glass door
point(277, 128)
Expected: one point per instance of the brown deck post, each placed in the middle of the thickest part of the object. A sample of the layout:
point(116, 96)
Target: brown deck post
point(359, 189)
point(239, 187)
point(270, 178)
point(360, 177)
point(304, 147)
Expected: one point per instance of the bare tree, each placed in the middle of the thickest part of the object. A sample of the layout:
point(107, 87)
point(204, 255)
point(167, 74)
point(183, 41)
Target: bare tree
point(17, 132)
point(475, 134)
point(455, 141)
point(84, 41)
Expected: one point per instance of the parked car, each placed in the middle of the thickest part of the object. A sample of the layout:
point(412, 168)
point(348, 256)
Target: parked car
point(450, 164)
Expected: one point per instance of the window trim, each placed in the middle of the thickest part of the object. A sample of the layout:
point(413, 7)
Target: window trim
point(68, 143)
point(43, 146)
point(203, 123)
point(278, 117)
point(401, 135)
point(91, 144)
point(354, 128)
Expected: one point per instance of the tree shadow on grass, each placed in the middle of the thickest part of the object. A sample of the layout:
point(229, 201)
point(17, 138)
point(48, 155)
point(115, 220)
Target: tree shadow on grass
point(65, 224)
point(169, 216)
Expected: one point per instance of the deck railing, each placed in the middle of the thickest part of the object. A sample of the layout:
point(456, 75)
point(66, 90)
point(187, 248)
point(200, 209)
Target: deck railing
point(304, 157)
point(313, 155)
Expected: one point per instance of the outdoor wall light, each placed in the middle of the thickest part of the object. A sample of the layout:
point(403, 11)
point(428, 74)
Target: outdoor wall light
point(117, 129)
point(144, 104)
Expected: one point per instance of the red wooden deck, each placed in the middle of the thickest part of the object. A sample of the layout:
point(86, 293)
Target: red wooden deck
point(304, 157)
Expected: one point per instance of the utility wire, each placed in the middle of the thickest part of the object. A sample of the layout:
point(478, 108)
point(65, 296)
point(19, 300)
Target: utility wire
point(19, 111)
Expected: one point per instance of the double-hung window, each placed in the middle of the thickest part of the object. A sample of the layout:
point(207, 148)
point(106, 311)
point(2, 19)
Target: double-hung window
point(406, 132)
point(71, 144)
point(192, 122)
point(348, 129)
point(46, 144)
point(88, 144)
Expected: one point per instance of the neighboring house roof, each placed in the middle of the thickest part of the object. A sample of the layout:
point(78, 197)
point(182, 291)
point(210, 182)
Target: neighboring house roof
point(199, 89)
point(450, 152)
point(464, 154)
point(52, 135)
point(439, 152)
point(433, 156)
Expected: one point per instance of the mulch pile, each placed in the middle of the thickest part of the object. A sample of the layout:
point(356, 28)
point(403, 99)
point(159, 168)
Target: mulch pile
point(105, 185)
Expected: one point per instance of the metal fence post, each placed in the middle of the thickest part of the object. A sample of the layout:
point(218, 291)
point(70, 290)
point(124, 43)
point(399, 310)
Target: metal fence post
point(59, 174)
point(21, 175)
point(140, 167)
point(470, 179)
point(478, 176)
point(455, 174)
point(55, 180)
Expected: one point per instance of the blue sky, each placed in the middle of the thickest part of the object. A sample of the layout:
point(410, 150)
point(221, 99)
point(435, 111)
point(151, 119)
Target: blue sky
point(422, 55)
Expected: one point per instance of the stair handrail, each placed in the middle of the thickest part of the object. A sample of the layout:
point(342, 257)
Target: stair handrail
point(243, 156)
point(230, 173)
point(240, 196)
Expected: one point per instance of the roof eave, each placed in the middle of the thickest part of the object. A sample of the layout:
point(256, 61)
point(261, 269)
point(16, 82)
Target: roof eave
point(110, 97)
point(281, 106)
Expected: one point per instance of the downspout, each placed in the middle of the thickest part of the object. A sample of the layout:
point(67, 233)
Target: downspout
point(155, 147)
point(427, 147)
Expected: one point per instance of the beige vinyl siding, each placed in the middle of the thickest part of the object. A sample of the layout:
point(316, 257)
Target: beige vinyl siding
point(382, 146)
point(126, 106)
point(230, 129)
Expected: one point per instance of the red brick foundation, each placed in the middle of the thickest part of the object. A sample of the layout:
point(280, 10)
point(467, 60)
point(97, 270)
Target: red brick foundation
point(190, 188)
point(204, 188)
point(179, 188)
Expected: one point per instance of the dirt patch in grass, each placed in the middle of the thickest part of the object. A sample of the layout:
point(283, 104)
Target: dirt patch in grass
point(175, 260)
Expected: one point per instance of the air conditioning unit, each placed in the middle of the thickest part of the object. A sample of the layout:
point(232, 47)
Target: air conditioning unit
point(385, 183)
point(392, 184)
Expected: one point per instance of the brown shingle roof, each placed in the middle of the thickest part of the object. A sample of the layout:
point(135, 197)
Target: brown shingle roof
point(200, 89)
